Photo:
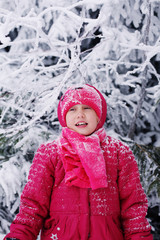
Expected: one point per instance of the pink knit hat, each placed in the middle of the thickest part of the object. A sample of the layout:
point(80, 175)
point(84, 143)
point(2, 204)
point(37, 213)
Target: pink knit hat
point(87, 95)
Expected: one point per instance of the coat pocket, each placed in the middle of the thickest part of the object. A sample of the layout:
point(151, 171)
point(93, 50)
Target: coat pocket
point(49, 226)
point(61, 227)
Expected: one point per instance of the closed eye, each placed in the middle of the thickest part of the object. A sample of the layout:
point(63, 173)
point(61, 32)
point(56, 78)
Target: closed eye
point(71, 109)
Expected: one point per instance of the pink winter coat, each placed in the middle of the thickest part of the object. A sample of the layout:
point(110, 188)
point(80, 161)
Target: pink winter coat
point(72, 213)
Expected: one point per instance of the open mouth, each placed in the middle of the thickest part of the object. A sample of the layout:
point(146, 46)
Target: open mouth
point(81, 124)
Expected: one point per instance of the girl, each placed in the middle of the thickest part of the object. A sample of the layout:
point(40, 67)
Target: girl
point(85, 185)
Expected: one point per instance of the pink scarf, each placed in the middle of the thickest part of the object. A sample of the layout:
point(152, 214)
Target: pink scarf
point(83, 159)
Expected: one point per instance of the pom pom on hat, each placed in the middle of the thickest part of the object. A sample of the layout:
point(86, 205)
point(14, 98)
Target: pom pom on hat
point(87, 95)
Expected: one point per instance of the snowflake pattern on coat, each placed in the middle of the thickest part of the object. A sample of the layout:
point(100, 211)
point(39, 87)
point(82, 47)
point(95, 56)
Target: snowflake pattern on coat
point(54, 237)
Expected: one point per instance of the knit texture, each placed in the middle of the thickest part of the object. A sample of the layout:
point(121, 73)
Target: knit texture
point(83, 159)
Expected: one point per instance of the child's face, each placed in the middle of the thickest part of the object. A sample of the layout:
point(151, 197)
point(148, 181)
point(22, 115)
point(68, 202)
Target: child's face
point(82, 119)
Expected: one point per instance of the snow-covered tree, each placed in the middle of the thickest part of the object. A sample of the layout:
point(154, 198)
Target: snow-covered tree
point(47, 45)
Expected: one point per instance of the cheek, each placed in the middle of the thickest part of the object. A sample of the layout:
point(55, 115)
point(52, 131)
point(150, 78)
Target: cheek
point(69, 119)
point(98, 119)
point(95, 121)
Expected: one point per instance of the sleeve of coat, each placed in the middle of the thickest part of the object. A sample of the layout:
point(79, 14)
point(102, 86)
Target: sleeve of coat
point(35, 198)
point(133, 200)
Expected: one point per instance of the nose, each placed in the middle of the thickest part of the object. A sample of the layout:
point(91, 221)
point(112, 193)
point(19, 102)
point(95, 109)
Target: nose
point(80, 113)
